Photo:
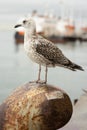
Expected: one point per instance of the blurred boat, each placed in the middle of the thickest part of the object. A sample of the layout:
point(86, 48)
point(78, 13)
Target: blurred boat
point(84, 33)
point(55, 29)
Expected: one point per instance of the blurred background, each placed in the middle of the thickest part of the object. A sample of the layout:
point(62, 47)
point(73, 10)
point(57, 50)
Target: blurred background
point(62, 21)
point(65, 23)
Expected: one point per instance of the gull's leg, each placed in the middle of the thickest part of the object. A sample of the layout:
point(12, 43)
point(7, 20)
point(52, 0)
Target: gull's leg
point(38, 80)
point(46, 74)
point(39, 73)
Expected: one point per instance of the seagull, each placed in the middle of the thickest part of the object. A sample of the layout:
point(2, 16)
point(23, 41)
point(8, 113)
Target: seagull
point(42, 51)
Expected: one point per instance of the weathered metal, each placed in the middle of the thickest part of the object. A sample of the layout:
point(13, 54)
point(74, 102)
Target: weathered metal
point(35, 107)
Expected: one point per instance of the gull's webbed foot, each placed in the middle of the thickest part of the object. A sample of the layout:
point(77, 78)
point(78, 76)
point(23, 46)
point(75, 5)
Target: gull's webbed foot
point(38, 81)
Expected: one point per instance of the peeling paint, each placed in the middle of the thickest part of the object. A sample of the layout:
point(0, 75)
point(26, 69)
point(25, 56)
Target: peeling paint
point(35, 107)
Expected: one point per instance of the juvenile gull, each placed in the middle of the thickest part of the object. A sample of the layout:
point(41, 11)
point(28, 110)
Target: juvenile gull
point(43, 51)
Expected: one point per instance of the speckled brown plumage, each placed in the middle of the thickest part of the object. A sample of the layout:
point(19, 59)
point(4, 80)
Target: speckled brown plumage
point(42, 51)
point(51, 52)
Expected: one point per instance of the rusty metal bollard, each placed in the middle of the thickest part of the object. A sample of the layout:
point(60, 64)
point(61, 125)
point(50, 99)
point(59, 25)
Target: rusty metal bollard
point(35, 107)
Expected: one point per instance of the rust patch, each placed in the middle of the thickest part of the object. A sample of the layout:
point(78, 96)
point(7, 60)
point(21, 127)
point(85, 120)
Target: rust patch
point(35, 107)
point(56, 112)
point(3, 108)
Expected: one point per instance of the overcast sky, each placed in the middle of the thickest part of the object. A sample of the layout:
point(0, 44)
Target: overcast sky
point(7, 5)
point(54, 6)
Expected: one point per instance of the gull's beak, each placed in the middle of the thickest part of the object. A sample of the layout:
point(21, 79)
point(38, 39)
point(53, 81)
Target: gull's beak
point(16, 26)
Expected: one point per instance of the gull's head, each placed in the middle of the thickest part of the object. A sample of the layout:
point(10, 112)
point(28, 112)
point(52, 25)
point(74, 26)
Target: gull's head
point(27, 23)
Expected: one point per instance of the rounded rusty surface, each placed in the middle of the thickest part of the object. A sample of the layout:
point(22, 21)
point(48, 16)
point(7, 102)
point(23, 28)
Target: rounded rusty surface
point(35, 107)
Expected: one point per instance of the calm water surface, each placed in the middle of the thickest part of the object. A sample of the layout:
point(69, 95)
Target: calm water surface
point(16, 69)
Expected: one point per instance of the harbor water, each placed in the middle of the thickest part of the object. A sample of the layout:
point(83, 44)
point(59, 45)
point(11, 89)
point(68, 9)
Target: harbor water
point(16, 69)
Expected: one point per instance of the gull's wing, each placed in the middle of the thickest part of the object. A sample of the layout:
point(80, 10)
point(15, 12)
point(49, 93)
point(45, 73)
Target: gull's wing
point(50, 51)
point(54, 54)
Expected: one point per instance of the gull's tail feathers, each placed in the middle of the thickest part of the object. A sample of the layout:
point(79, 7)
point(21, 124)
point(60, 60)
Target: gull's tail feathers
point(72, 66)
point(77, 67)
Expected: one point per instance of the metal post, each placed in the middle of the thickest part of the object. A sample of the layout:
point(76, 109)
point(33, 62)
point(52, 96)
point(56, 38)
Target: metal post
point(35, 106)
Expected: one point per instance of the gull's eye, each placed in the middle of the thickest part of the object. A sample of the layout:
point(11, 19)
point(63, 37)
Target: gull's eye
point(24, 21)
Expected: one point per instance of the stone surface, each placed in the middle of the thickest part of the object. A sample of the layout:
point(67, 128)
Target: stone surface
point(35, 107)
